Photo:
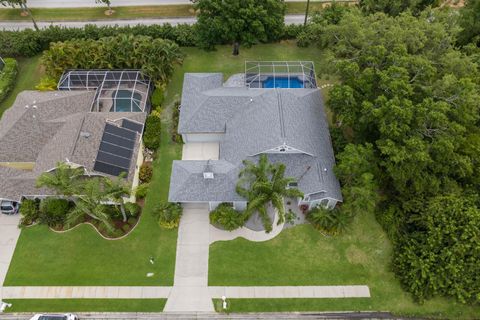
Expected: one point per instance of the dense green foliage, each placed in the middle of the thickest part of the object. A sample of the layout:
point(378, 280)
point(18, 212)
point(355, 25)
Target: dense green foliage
point(176, 137)
point(168, 214)
point(410, 103)
point(227, 217)
point(440, 254)
point(246, 22)
point(7, 77)
point(157, 98)
point(155, 57)
point(262, 184)
point(330, 221)
point(153, 127)
point(29, 43)
point(28, 211)
point(470, 23)
point(141, 191)
point(53, 211)
point(395, 7)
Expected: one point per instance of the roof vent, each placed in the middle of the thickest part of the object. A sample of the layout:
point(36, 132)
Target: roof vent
point(85, 134)
point(208, 172)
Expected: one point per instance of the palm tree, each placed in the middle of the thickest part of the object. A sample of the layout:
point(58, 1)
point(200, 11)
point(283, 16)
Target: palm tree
point(116, 190)
point(64, 179)
point(263, 184)
point(92, 201)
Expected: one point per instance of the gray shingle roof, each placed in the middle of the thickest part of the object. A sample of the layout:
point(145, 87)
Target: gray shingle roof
point(50, 133)
point(257, 120)
point(188, 184)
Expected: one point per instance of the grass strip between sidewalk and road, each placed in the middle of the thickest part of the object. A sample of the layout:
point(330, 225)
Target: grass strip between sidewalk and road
point(134, 12)
point(86, 305)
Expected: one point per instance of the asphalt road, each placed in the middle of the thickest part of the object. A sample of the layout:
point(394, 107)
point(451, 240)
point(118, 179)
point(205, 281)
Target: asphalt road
point(115, 3)
point(15, 25)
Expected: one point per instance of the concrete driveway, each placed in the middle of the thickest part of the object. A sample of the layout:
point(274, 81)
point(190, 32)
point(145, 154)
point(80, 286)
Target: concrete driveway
point(9, 233)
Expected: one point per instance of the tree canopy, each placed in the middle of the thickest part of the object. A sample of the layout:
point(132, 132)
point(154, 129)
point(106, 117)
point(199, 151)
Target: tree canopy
point(243, 21)
point(470, 23)
point(410, 102)
point(395, 7)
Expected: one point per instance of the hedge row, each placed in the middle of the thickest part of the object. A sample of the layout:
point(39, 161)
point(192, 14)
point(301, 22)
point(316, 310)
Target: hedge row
point(7, 77)
point(29, 43)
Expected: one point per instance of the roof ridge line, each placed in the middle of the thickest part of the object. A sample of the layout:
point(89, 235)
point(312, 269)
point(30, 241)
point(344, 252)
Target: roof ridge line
point(280, 114)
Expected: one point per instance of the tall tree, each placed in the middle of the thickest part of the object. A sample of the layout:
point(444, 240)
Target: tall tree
point(395, 7)
point(108, 3)
point(245, 22)
point(265, 183)
point(117, 190)
point(64, 179)
point(23, 5)
point(470, 23)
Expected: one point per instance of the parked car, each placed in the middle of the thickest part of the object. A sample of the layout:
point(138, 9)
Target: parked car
point(9, 207)
point(66, 316)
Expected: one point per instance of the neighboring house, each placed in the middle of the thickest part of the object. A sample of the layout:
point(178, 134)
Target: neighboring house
point(277, 114)
point(90, 127)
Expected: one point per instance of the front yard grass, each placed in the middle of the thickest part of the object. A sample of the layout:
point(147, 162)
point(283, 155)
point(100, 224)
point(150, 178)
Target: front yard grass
point(301, 256)
point(86, 305)
point(81, 257)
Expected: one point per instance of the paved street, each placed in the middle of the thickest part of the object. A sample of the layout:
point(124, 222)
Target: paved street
point(14, 25)
point(9, 234)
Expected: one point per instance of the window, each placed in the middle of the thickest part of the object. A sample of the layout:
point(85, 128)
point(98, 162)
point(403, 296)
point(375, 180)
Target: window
point(324, 203)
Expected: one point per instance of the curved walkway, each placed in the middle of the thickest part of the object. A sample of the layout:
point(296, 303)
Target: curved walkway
point(257, 236)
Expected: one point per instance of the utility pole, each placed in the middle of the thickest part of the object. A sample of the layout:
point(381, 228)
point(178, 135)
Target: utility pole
point(306, 13)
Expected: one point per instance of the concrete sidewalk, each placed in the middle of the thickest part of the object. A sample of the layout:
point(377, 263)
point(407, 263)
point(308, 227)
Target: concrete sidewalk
point(16, 25)
point(9, 233)
point(291, 292)
point(190, 291)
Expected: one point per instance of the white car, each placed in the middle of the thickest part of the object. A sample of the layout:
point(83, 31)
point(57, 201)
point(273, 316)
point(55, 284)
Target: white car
point(9, 207)
point(65, 316)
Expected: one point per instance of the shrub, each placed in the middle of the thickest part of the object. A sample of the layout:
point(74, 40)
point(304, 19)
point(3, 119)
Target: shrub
point(146, 172)
point(175, 118)
point(126, 228)
point(291, 31)
point(132, 209)
point(7, 77)
point(29, 43)
point(141, 191)
point(53, 211)
point(152, 134)
point(168, 214)
point(330, 221)
point(47, 84)
point(132, 221)
point(227, 217)
point(29, 211)
point(157, 98)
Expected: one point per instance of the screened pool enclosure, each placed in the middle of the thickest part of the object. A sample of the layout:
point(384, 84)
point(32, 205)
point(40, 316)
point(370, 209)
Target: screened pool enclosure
point(280, 74)
point(116, 90)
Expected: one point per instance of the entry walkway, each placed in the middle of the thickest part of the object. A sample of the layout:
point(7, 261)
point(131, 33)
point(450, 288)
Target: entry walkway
point(9, 233)
point(190, 286)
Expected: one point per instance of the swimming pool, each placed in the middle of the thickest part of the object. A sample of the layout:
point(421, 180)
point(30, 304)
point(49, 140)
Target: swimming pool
point(282, 82)
point(124, 101)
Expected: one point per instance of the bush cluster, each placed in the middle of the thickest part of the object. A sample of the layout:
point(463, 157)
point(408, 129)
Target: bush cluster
point(141, 191)
point(168, 214)
point(152, 134)
point(30, 43)
point(157, 98)
point(329, 221)
point(146, 172)
point(227, 217)
point(53, 211)
point(176, 137)
point(7, 77)
point(132, 209)
point(29, 212)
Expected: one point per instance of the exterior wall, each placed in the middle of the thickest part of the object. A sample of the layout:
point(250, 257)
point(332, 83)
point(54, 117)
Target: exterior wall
point(312, 204)
point(136, 179)
point(237, 205)
point(202, 137)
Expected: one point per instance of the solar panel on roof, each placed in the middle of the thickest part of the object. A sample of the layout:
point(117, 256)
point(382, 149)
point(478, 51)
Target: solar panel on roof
point(108, 169)
point(121, 132)
point(119, 141)
point(131, 125)
point(113, 159)
point(111, 148)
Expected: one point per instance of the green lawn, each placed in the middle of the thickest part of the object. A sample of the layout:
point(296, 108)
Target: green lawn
point(86, 305)
point(133, 12)
point(302, 256)
point(29, 74)
point(81, 257)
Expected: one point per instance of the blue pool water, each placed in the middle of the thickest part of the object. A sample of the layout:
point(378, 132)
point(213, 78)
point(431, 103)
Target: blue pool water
point(125, 103)
point(282, 82)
